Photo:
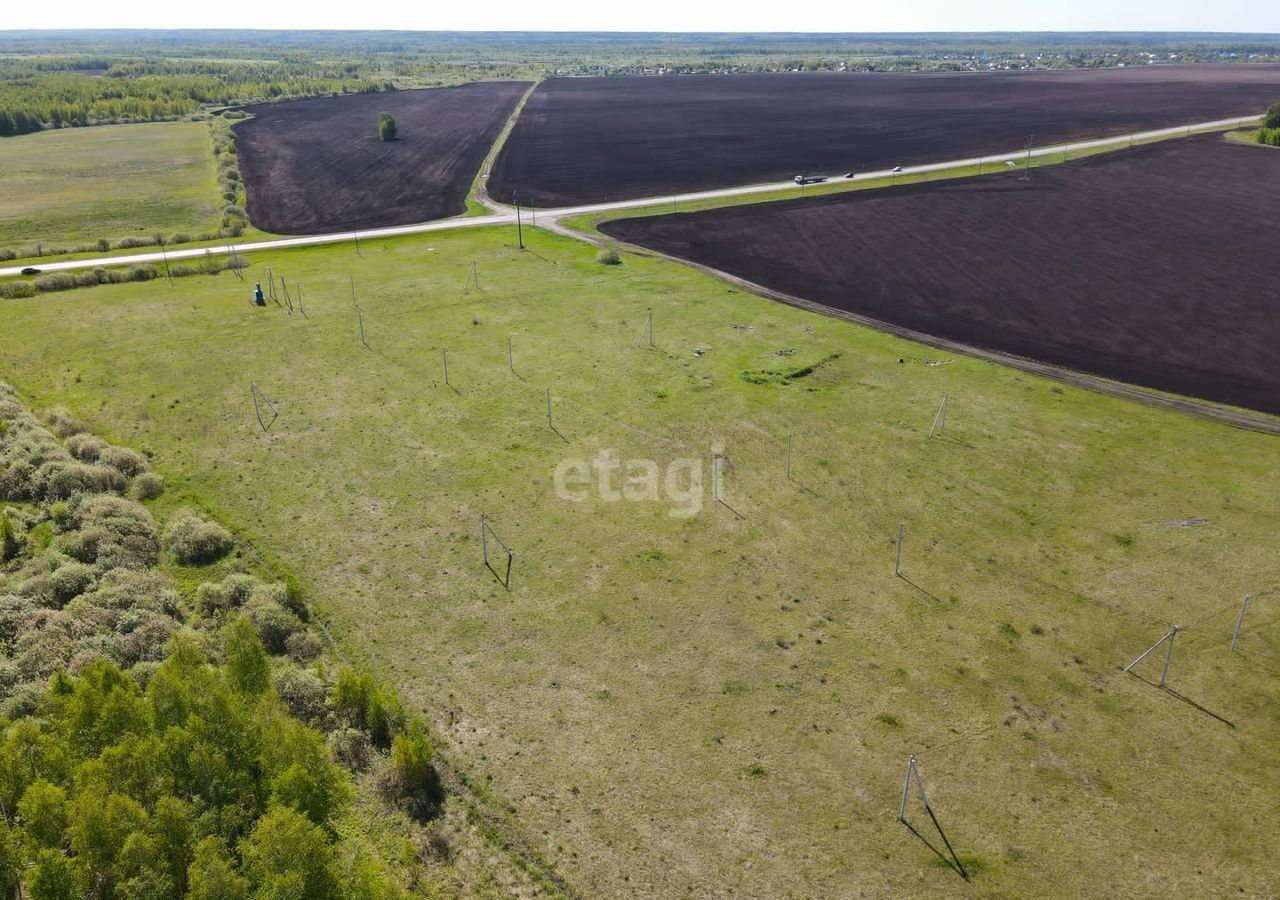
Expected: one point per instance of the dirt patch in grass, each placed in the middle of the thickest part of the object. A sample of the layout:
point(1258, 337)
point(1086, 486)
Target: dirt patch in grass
point(584, 140)
point(1154, 266)
point(314, 166)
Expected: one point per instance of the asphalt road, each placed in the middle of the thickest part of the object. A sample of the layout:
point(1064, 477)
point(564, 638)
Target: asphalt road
point(509, 217)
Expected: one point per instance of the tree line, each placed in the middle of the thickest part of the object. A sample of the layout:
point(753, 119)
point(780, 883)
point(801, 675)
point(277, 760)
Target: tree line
point(59, 99)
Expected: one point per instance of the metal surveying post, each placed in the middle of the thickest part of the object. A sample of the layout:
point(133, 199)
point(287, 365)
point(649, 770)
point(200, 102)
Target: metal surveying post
point(1168, 655)
point(788, 457)
point(1239, 622)
point(1173, 631)
point(444, 358)
point(549, 423)
point(510, 365)
point(519, 227)
point(897, 563)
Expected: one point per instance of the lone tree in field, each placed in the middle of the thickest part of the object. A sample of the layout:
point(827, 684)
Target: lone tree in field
point(386, 127)
point(1272, 118)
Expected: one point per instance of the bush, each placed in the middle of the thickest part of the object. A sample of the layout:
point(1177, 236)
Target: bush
point(304, 694)
point(293, 598)
point(69, 581)
point(230, 593)
point(146, 486)
point(195, 541)
point(125, 461)
point(85, 447)
point(302, 646)
point(362, 703)
point(128, 243)
point(141, 273)
point(15, 290)
point(608, 257)
point(1269, 136)
point(62, 423)
point(1272, 118)
point(62, 480)
point(103, 245)
point(275, 624)
point(8, 253)
point(56, 281)
point(351, 748)
point(386, 127)
point(412, 777)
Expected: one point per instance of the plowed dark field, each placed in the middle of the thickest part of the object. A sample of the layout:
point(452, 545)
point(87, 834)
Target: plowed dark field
point(1157, 266)
point(314, 166)
point(586, 140)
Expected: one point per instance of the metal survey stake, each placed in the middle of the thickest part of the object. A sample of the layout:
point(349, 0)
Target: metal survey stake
point(939, 425)
point(486, 531)
point(913, 776)
point(788, 457)
point(897, 563)
point(1173, 631)
point(1240, 621)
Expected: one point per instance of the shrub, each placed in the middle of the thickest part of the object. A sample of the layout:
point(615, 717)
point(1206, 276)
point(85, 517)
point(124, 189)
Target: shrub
point(608, 257)
point(293, 599)
point(141, 273)
point(230, 593)
point(69, 581)
point(125, 461)
point(302, 646)
point(146, 486)
point(114, 533)
point(1272, 118)
point(412, 777)
point(62, 423)
point(7, 253)
point(128, 243)
point(304, 694)
point(195, 541)
point(85, 447)
point(103, 245)
point(16, 290)
point(275, 624)
point(361, 702)
point(386, 127)
point(61, 480)
point(351, 748)
point(56, 281)
point(9, 543)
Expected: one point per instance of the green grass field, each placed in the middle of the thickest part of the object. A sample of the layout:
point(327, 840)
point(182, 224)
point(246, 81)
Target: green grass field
point(76, 185)
point(723, 704)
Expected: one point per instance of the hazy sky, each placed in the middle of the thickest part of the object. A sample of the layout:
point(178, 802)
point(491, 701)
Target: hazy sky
point(662, 15)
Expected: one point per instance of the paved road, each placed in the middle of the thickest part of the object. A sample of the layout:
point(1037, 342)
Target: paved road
point(508, 216)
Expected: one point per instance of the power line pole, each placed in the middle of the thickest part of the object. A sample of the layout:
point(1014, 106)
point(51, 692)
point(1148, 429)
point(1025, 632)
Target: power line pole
point(519, 229)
